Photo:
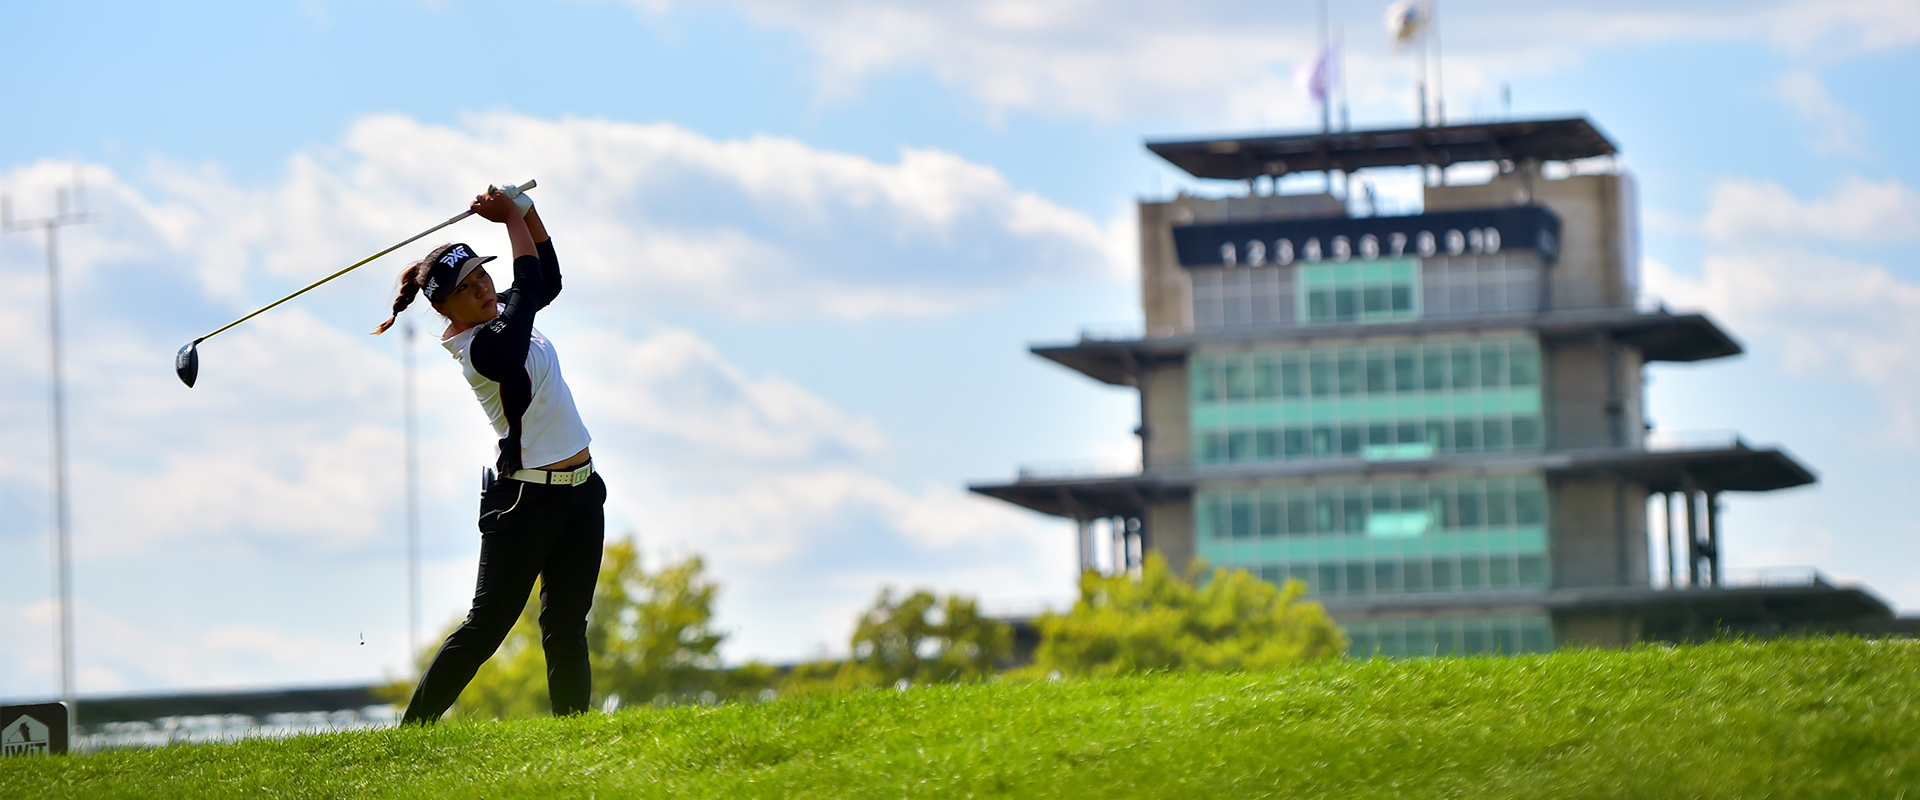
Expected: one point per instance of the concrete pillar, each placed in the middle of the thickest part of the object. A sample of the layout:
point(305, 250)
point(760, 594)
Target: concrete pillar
point(1713, 535)
point(1693, 534)
point(1086, 547)
point(1673, 566)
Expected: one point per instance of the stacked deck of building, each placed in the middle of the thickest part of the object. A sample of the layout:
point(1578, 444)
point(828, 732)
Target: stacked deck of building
point(1435, 421)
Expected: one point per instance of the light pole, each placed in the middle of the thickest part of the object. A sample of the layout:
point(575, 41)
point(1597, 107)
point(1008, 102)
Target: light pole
point(62, 549)
point(413, 502)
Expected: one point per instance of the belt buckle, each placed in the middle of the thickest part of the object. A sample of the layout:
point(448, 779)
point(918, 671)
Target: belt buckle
point(580, 474)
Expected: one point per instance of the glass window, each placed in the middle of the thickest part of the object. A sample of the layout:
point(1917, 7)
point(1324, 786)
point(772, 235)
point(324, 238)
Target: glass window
point(1356, 579)
point(1381, 434)
point(1500, 571)
point(1473, 573)
point(1434, 369)
point(1526, 432)
point(1326, 516)
point(1270, 518)
point(1530, 506)
point(1240, 446)
point(1373, 300)
point(1263, 381)
point(1319, 306)
point(1323, 441)
point(1354, 515)
point(1321, 373)
point(1299, 519)
point(1349, 375)
point(1473, 639)
point(1533, 637)
point(1413, 578)
point(1213, 448)
point(1470, 505)
point(1493, 364)
point(1239, 381)
point(1523, 368)
point(1292, 383)
point(1465, 367)
point(1386, 577)
point(1329, 582)
point(1402, 298)
point(1295, 442)
point(1533, 571)
point(1346, 305)
point(1350, 440)
point(1241, 519)
point(1409, 433)
point(1499, 506)
point(1377, 381)
point(1493, 434)
point(1442, 575)
point(1466, 435)
point(1405, 372)
point(1266, 445)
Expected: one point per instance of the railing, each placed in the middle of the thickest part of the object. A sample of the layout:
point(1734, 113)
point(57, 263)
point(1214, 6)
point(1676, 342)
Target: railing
point(1775, 576)
point(1665, 440)
point(1088, 469)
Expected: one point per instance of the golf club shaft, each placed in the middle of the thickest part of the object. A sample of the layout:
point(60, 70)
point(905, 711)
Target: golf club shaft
point(355, 265)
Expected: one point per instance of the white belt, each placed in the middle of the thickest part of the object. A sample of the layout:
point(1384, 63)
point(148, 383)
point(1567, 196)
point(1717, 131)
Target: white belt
point(557, 477)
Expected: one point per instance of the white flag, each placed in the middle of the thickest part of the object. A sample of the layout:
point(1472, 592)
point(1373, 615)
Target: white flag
point(1407, 20)
point(1315, 78)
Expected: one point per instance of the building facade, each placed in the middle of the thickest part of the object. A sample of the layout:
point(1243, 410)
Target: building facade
point(1435, 421)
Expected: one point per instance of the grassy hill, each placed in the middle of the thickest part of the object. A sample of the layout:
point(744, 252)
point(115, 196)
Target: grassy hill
point(1821, 718)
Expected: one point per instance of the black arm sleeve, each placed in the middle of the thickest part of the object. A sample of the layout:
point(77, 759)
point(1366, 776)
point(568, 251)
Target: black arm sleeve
point(499, 353)
point(549, 272)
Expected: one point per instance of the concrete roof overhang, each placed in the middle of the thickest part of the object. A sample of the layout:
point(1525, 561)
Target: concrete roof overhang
point(1663, 607)
point(1736, 468)
point(1247, 157)
point(1660, 336)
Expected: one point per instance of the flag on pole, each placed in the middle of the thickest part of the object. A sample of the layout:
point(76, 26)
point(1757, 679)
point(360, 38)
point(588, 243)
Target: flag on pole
point(1315, 78)
point(1407, 20)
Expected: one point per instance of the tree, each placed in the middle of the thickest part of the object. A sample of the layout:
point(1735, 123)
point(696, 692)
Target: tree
point(919, 638)
point(1157, 620)
point(650, 638)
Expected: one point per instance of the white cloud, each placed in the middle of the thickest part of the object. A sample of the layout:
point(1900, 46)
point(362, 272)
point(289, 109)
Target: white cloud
point(1227, 60)
point(1834, 129)
point(1827, 314)
point(285, 460)
point(1858, 211)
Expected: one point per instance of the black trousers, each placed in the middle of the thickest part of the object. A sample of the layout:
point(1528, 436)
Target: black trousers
point(526, 530)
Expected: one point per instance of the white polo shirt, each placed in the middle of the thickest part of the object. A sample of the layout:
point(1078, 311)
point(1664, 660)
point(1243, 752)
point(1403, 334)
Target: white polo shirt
point(551, 430)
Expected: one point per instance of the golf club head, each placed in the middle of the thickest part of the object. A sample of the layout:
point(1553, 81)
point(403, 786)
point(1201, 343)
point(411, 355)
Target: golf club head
point(186, 363)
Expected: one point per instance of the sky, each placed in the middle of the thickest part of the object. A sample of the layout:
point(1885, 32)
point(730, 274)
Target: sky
point(807, 246)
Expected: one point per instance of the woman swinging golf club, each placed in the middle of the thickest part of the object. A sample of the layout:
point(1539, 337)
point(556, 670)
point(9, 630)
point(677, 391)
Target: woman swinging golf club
point(544, 521)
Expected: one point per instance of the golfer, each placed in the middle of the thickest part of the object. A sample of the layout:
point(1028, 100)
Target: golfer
point(541, 514)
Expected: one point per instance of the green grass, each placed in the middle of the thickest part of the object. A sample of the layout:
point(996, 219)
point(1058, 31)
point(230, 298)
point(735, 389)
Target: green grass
point(1816, 718)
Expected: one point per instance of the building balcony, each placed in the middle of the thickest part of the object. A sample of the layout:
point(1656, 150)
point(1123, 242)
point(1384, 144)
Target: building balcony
point(1117, 353)
point(1708, 461)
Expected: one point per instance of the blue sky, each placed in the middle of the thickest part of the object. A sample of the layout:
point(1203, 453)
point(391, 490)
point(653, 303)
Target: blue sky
point(807, 245)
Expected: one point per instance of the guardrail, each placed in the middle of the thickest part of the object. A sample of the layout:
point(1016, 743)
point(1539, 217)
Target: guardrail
point(1664, 440)
point(1063, 470)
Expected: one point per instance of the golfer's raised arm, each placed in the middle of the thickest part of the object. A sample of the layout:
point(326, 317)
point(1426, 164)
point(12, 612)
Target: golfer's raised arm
point(498, 207)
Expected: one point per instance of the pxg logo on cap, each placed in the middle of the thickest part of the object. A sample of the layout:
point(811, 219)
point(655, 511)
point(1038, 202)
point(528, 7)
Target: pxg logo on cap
point(452, 267)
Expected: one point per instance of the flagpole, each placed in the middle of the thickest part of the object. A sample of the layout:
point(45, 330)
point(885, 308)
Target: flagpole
point(1326, 98)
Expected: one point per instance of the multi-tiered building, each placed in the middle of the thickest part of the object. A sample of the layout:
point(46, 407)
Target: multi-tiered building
point(1434, 420)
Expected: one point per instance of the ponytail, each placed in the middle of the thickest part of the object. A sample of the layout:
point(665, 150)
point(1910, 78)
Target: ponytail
point(411, 279)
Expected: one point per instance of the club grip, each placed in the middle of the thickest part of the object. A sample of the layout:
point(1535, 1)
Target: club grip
point(514, 189)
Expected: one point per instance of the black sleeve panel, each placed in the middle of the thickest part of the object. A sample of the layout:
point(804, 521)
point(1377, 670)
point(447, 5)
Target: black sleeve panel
point(549, 272)
point(499, 353)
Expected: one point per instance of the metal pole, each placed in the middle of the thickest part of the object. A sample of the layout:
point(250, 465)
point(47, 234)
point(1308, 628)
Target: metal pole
point(62, 533)
point(63, 558)
point(413, 500)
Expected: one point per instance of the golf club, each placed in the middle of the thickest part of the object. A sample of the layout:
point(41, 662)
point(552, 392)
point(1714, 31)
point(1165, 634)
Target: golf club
point(186, 363)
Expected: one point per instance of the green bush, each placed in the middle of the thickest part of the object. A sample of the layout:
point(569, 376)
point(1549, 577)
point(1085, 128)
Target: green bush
point(1159, 621)
point(650, 637)
point(920, 638)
